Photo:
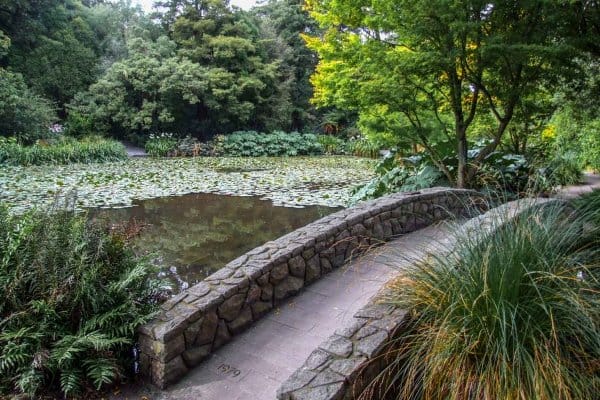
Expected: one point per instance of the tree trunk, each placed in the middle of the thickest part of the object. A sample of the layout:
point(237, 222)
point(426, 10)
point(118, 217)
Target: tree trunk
point(462, 176)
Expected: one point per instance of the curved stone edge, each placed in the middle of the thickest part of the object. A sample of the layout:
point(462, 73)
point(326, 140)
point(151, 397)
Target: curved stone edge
point(193, 324)
point(343, 365)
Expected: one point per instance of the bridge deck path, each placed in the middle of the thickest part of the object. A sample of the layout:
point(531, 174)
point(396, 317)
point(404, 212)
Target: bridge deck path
point(255, 363)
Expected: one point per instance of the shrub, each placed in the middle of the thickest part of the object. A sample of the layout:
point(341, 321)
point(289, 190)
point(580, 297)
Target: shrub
point(512, 314)
point(393, 177)
point(73, 298)
point(278, 143)
point(332, 145)
point(61, 151)
point(160, 145)
point(79, 125)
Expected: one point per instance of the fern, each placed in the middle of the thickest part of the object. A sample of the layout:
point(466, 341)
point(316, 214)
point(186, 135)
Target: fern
point(73, 298)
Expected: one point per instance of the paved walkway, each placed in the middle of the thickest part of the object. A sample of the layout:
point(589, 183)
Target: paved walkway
point(590, 182)
point(255, 363)
point(133, 150)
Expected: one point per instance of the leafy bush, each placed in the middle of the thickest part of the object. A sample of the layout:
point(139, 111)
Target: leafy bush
point(512, 314)
point(564, 170)
point(61, 151)
point(394, 177)
point(73, 296)
point(278, 143)
point(160, 145)
point(79, 125)
point(332, 145)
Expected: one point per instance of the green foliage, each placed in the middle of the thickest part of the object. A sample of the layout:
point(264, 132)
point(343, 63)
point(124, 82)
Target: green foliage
point(63, 151)
point(332, 145)
point(22, 112)
point(73, 298)
point(78, 125)
point(255, 144)
point(564, 170)
point(508, 314)
point(160, 145)
point(364, 147)
point(393, 177)
point(424, 70)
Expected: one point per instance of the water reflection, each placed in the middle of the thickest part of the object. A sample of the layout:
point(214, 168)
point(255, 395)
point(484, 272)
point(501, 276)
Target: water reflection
point(194, 235)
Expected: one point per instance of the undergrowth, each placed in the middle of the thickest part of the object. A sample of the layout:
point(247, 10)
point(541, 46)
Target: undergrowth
point(63, 151)
point(73, 296)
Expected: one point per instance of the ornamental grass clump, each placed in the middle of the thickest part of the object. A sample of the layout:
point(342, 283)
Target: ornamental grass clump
point(510, 313)
point(72, 298)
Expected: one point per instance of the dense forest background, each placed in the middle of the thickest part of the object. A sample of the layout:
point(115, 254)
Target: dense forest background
point(192, 67)
point(449, 79)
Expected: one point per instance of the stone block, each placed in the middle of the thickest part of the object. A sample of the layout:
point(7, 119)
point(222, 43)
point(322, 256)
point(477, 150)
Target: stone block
point(333, 391)
point(308, 254)
point(298, 380)
point(253, 294)
point(318, 360)
point(230, 308)
point(200, 290)
point(164, 374)
point(166, 330)
point(325, 265)
point(208, 329)
point(243, 320)
point(348, 367)
point(222, 336)
point(288, 287)
point(195, 355)
point(337, 345)
point(260, 308)
point(191, 332)
point(370, 346)
point(349, 330)
point(266, 292)
point(326, 377)
point(313, 269)
point(209, 300)
point(297, 265)
point(164, 352)
point(278, 273)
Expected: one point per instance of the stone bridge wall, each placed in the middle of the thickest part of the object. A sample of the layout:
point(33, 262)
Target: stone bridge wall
point(344, 364)
point(196, 322)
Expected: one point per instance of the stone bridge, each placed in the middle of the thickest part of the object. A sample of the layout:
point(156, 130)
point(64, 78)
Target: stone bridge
point(194, 324)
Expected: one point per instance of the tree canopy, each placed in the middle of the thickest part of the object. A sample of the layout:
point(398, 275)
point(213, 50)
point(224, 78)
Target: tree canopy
point(435, 69)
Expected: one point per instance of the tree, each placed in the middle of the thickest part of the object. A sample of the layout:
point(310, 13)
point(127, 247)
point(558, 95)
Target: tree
point(22, 113)
point(286, 20)
point(53, 46)
point(440, 66)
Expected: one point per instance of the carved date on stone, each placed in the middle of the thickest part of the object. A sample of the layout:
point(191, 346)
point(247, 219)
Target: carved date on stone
point(227, 369)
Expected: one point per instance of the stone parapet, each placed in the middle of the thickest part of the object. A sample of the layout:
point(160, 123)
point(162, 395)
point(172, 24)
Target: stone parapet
point(198, 321)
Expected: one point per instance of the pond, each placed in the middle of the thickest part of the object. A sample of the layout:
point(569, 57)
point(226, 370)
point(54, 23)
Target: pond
point(194, 235)
point(245, 202)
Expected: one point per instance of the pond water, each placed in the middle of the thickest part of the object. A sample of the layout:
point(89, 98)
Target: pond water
point(194, 235)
